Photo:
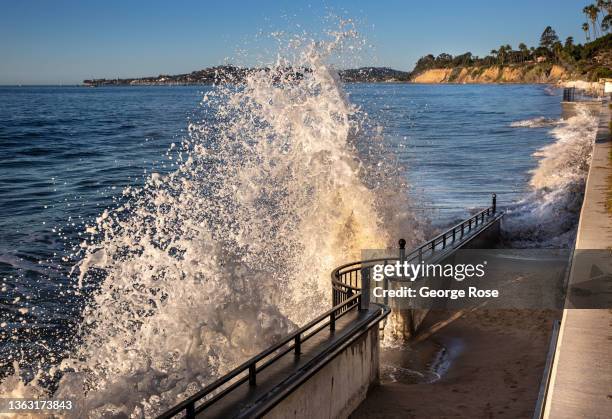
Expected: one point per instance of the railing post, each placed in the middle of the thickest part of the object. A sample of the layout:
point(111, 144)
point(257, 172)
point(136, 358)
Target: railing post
point(444, 241)
point(454, 234)
point(420, 254)
point(364, 300)
point(252, 375)
point(402, 250)
point(190, 411)
point(298, 345)
point(332, 321)
point(494, 203)
point(462, 229)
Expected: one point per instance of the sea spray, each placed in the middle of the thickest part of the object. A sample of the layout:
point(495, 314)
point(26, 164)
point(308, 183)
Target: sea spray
point(539, 122)
point(280, 182)
point(548, 215)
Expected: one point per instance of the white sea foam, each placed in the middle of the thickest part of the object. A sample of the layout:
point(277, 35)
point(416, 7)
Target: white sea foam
point(206, 265)
point(548, 215)
point(539, 122)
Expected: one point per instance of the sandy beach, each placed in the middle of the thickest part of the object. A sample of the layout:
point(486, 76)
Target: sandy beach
point(495, 364)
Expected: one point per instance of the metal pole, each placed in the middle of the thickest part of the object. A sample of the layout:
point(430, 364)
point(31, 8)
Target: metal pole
point(494, 203)
point(190, 411)
point(364, 300)
point(402, 250)
point(298, 345)
point(252, 375)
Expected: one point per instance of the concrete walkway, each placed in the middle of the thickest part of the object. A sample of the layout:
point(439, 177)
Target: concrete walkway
point(581, 379)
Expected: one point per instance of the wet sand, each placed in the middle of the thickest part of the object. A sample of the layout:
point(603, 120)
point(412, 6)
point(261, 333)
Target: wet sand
point(494, 360)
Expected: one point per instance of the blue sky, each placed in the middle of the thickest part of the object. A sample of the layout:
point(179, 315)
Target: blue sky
point(64, 42)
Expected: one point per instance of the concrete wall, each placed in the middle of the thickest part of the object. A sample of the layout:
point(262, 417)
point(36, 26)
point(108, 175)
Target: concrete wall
point(568, 109)
point(581, 378)
point(339, 387)
point(486, 239)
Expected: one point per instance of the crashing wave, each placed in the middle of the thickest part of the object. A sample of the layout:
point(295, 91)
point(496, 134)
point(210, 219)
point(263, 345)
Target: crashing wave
point(281, 181)
point(548, 215)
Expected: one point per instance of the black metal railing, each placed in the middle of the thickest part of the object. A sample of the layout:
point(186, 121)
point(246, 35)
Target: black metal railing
point(352, 277)
point(247, 372)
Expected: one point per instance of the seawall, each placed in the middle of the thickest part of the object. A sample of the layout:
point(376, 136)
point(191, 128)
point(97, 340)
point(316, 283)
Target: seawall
point(337, 388)
point(581, 377)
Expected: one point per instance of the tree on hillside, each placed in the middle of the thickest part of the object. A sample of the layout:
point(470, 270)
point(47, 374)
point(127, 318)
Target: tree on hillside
point(557, 50)
point(524, 51)
point(463, 60)
point(585, 28)
point(444, 60)
point(501, 54)
point(591, 12)
point(569, 47)
point(606, 23)
point(548, 38)
point(605, 7)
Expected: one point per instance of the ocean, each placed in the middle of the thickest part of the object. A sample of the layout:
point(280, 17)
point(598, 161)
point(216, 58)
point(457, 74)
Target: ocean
point(213, 192)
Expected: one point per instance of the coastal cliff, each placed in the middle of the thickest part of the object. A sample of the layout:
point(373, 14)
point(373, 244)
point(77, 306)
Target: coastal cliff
point(550, 62)
point(494, 74)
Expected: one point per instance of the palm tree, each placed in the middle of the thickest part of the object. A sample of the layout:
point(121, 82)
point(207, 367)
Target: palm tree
point(585, 28)
point(501, 54)
point(591, 11)
point(605, 6)
point(606, 23)
point(524, 51)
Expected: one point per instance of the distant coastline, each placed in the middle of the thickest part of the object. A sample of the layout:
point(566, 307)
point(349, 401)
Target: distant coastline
point(549, 63)
point(234, 74)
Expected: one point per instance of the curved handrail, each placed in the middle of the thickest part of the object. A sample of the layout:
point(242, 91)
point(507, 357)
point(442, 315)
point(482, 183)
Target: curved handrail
point(298, 337)
point(346, 279)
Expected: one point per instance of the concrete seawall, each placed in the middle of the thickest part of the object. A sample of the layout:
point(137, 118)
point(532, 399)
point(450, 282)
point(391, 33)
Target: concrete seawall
point(337, 389)
point(581, 378)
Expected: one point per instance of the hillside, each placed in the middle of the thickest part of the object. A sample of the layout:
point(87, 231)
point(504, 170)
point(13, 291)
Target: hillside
point(232, 74)
point(559, 63)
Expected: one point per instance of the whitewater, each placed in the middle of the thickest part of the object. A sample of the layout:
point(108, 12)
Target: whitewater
point(207, 265)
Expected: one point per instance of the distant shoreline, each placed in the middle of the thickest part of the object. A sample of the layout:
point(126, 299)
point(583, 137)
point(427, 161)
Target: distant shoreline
point(237, 75)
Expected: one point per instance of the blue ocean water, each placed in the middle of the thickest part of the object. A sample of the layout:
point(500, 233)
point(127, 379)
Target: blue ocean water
point(457, 141)
point(67, 152)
